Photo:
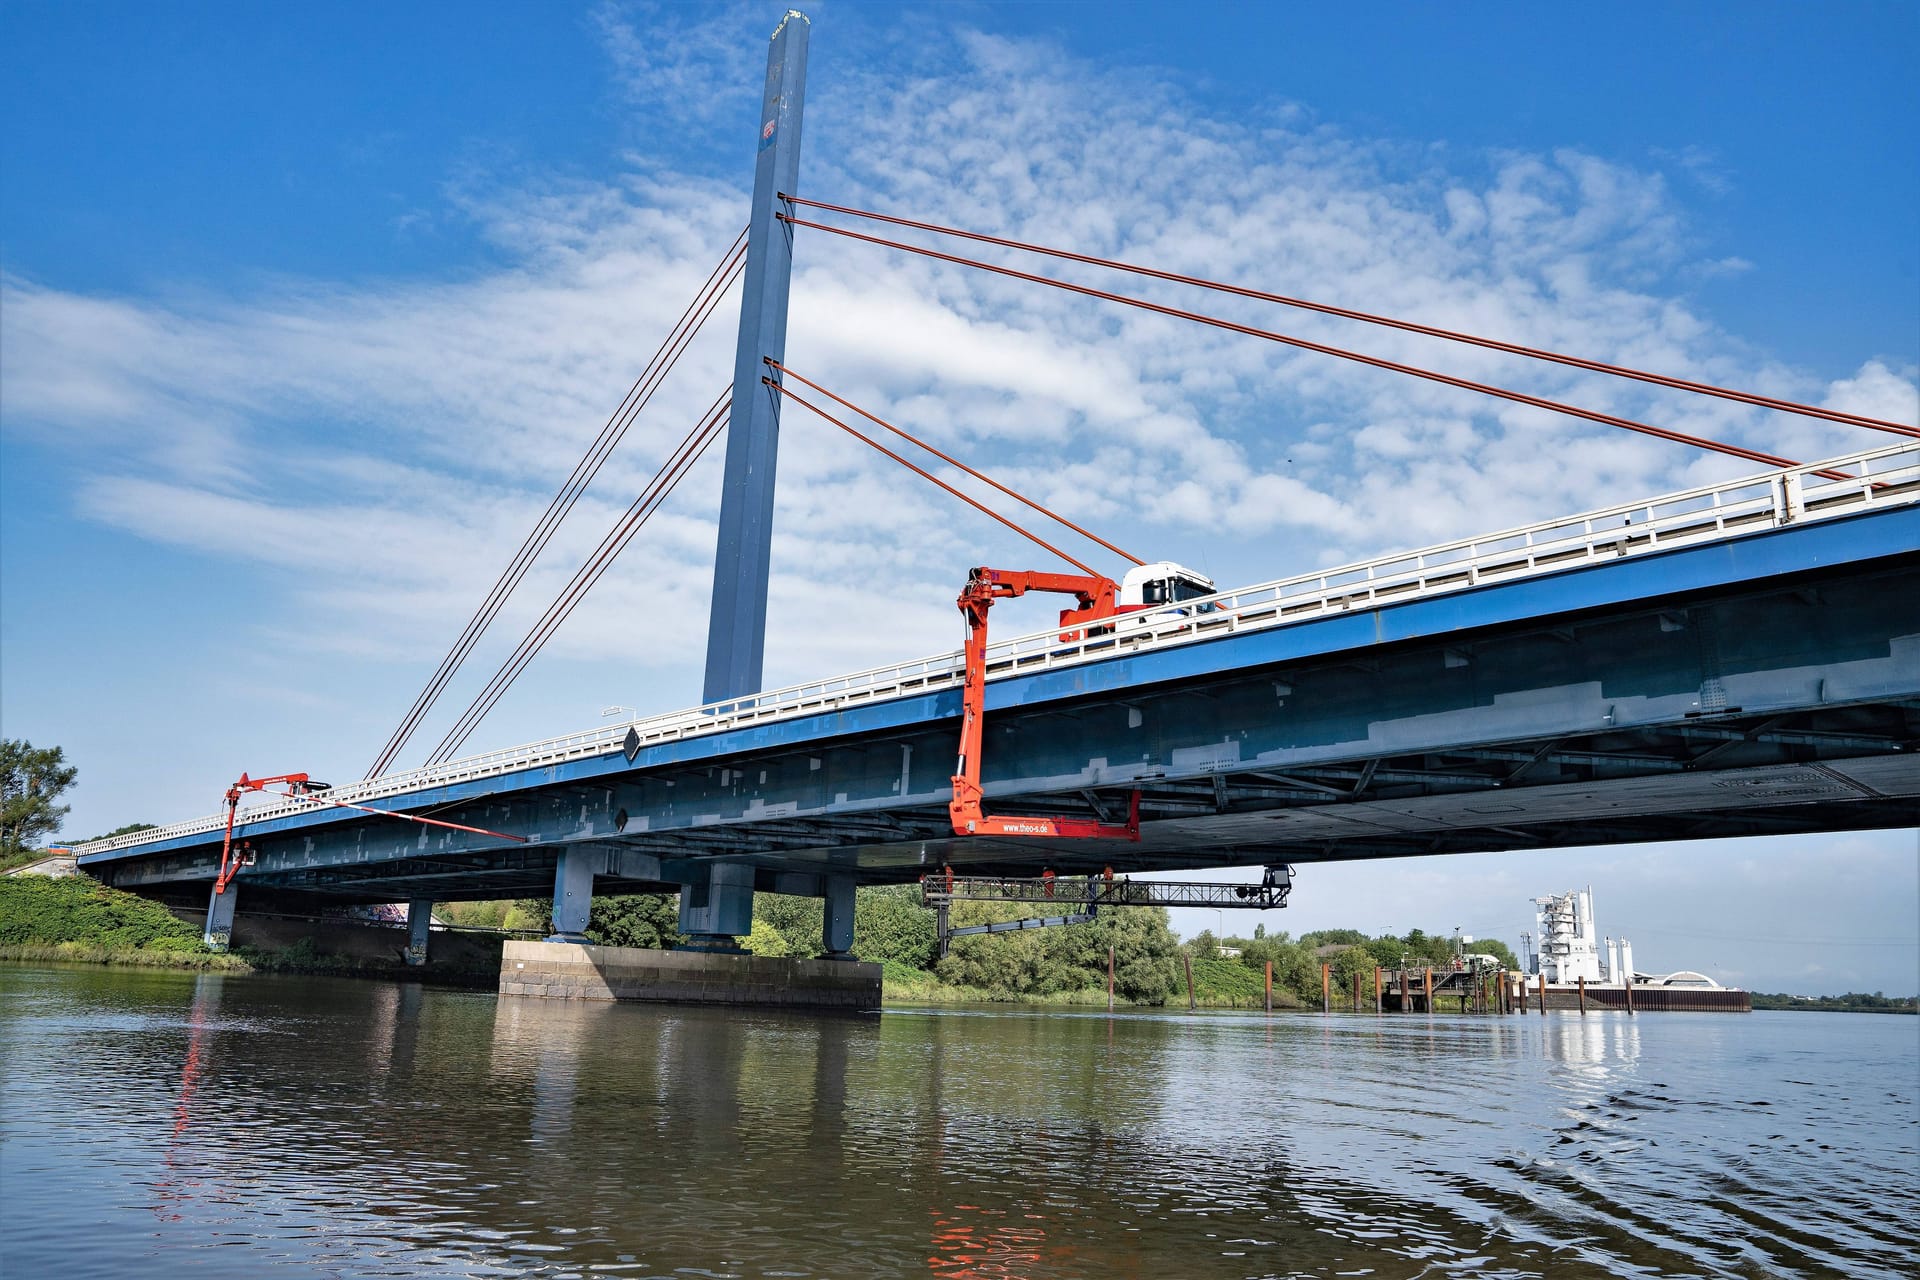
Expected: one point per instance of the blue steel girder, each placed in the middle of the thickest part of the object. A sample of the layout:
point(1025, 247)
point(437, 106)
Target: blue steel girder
point(1768, 683)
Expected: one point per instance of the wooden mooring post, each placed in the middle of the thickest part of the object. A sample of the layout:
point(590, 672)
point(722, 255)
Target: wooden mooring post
point(1188, 957)
point(1109, 979)
point(1583, 995)
point(1356, 990)
point(1326, 988)
point(1269, 986)
point(1629, 985)
point(1378, 1003)
point(1543, 993)
point(1427, 973)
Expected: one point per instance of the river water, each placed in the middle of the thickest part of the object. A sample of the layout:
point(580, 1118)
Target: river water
point(162, 1124)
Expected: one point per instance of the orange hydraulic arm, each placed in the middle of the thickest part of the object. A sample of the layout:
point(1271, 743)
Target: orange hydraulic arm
point(1095, 600)
point(297, 784)
point(303, 788)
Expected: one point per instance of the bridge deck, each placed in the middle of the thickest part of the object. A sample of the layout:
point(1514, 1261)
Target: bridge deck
point(851, 771)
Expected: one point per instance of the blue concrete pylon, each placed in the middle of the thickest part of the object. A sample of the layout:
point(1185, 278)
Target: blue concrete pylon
point(713, 911)
point(736, 630)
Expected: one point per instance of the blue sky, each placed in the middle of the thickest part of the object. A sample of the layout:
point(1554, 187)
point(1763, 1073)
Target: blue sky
point(307, 312)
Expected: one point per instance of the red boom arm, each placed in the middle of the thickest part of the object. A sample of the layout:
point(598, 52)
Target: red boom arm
point(1094, 600)
point(300, 787)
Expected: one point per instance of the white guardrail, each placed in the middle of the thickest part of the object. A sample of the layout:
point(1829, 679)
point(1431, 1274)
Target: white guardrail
point(1777, 498)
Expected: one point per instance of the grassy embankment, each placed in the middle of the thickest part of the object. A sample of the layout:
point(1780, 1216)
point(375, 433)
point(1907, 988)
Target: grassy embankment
point(1852, 1002)
point(903, 984)
point(79, 920)
point(1217, 983)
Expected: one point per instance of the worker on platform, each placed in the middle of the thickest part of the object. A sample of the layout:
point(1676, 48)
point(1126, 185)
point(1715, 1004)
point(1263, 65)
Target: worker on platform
point(1046, 881)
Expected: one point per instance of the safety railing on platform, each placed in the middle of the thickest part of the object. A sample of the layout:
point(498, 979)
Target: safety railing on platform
point(1106, 891)
point(1771, 500)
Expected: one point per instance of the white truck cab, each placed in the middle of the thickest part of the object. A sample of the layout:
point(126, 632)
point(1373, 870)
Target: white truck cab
point(1153, 586)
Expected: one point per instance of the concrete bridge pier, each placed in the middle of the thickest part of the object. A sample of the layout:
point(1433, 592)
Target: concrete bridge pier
point(419, 920)
point(218, 934)
point(717, 907)
point(836, 926)
point(573, 893)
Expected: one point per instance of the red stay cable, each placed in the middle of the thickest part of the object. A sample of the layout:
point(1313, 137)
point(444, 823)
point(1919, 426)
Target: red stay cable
point(328, 801)
point(1518, 397)
point(1347, 313)
point(925, 474)
point(977, 475)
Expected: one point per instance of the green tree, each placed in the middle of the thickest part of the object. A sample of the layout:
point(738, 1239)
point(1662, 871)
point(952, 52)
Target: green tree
point(1496, 948)
point(649, 920)
point(889, 923)
point(797, 920)
point(475, 915)
point(1322, 937)
point(765, 940)
point(127, 830)
point(41, 909)
point(30, 783)
point(527, 915)
point(620, 920)
point(1043, 962)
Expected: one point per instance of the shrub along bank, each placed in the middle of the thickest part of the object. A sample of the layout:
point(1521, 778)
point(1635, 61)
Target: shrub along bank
point(77, 918)
point(1063, 965)
point(48, 911)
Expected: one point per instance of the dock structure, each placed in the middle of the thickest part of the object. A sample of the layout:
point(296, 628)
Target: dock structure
point(1573, 966)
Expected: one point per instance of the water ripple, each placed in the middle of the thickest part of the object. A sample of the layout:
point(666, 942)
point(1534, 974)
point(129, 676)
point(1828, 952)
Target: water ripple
point(228, 1126)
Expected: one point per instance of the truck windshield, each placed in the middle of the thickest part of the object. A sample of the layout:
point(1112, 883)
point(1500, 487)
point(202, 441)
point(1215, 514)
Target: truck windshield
point(1172, 591)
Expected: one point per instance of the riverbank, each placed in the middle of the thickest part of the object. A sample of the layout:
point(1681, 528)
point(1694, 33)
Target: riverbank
point(293, 961)
point(906, 988)
point(124, 957)
point(77, 920)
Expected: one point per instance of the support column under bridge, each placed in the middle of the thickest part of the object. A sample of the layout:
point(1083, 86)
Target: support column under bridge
point(716, 897)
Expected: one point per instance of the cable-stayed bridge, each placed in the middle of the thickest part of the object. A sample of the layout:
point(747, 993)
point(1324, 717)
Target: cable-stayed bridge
point(1738, 659)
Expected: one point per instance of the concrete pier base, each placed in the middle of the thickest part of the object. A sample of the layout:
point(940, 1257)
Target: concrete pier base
point(571, 971)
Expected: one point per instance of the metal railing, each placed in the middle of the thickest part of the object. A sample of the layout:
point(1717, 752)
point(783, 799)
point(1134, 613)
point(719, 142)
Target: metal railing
point(1772, 500)
point(1098, 891)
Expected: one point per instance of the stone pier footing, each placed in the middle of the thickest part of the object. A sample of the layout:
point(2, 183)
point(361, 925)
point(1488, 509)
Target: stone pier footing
point(570, 971)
